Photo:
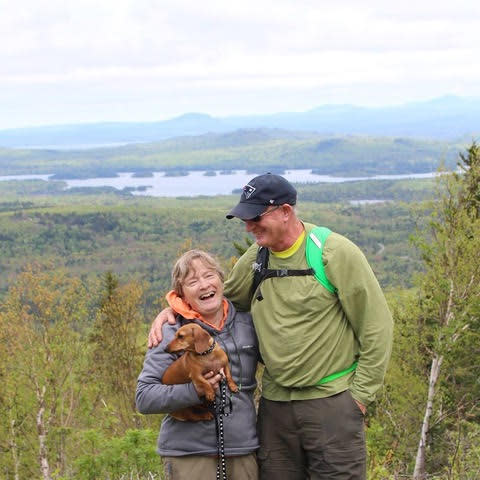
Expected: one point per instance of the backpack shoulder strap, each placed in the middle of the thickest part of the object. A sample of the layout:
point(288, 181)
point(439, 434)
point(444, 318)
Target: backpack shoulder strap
point(313, 251)
point(261, 271)
point(259, 267)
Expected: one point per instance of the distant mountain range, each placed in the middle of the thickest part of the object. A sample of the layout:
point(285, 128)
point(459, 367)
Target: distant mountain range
point(444, 118)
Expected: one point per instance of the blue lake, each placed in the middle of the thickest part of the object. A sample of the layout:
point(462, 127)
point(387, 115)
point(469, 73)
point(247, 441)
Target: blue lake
point(197, 183)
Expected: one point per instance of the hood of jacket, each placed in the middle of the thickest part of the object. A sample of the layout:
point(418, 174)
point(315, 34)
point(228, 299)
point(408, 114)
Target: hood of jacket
point(181, 307)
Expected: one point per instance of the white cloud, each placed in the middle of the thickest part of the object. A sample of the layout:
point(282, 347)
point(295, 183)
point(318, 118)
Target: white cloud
point(227, 57)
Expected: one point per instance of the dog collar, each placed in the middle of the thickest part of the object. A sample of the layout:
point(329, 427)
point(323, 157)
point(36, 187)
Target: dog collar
point(210, 349)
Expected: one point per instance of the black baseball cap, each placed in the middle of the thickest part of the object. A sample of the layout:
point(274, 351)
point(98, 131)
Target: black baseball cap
point(261, 192)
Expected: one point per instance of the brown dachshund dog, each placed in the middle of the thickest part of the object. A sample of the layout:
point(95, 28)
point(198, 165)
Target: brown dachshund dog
point(202, 355)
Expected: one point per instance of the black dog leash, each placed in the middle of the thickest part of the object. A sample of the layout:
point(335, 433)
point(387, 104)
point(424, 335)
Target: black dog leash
point(219, 411)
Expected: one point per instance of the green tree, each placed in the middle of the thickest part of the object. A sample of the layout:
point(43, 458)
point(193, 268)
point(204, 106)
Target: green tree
point(449, 312)
point(117, 349)
point(393, 420)
point(39, 322)
point(470, 166)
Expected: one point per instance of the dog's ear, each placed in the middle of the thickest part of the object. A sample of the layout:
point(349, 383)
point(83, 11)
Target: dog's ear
point(202, 339)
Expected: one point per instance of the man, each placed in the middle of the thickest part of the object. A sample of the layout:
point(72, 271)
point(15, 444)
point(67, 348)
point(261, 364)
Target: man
point(325, 351)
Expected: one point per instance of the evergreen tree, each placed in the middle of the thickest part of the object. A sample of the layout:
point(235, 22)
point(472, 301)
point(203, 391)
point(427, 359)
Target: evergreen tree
point(449, 316)
point(117, 350)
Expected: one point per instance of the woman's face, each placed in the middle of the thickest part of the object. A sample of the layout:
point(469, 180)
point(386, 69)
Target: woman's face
point(203, 289)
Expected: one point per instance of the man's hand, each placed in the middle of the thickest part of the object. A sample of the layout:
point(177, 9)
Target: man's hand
point(362, 407)
point(155, 335)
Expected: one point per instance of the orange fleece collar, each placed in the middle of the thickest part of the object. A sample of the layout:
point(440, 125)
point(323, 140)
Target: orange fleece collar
point(179, 305)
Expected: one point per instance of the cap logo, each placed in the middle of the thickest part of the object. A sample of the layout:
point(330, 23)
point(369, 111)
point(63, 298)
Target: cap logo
point(248, 190)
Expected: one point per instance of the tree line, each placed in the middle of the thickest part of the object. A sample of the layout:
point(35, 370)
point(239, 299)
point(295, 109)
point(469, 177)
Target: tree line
point(255, 151)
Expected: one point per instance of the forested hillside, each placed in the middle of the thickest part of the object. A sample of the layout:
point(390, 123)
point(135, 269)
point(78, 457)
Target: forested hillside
point(91, 233)
point(84, 273)
point(253, 150)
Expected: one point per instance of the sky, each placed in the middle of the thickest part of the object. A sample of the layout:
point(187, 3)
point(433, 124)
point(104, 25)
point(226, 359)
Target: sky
point(84, 61)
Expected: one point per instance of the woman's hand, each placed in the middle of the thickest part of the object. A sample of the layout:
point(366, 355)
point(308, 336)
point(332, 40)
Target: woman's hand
point(213, 379)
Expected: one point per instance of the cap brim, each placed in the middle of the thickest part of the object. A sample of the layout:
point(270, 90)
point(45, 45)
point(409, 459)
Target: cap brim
point(246, 211)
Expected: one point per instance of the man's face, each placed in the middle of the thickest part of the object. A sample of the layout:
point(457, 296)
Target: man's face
point(268, 229)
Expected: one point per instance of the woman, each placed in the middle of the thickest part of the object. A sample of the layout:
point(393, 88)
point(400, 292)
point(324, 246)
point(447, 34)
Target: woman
point(190, 449)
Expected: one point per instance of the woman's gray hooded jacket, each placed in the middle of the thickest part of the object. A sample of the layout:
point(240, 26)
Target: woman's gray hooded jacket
point(179, 438)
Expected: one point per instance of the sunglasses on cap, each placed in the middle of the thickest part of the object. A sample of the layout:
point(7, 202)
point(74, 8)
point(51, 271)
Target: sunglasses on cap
point(259, 217)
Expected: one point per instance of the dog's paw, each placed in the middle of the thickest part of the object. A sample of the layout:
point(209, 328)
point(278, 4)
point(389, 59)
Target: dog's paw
point(210, 396)
point(209, 416)
point(233, 387)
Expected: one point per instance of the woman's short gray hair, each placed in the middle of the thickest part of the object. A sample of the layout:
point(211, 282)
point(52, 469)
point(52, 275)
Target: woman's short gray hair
point(182, 267)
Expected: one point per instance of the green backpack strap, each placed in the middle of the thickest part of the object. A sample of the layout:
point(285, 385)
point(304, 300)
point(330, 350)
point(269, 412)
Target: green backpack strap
point(313, 252)
point(314, 249)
